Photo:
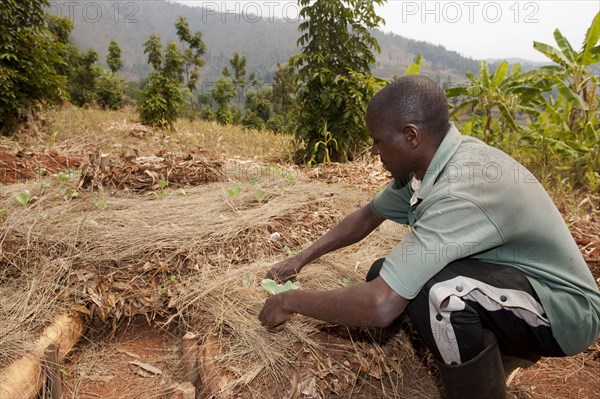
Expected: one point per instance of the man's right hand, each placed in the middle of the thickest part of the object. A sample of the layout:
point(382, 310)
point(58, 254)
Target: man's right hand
point(285, 270)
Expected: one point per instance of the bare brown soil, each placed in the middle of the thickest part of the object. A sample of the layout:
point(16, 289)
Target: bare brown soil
point(27, 165)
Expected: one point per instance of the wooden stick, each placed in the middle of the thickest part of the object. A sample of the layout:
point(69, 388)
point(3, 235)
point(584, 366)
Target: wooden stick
point(190, 357)
point(52, 368)
point(23, 379)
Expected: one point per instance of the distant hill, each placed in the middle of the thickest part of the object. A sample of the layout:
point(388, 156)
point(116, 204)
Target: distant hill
point(526, 65)
point(264, 42)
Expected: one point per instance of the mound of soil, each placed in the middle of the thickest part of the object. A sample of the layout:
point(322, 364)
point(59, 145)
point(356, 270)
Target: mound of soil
point(22, 166)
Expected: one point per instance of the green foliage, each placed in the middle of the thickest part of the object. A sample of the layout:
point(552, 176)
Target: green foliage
point(273, 288)
point(32, 59)
point(207, 114)
point(252, 121)
point(193, 54)
point(223, 92)
point(415, 67)
point(225, 116)
point(497, 99)
point(260, 195)
point(258, 102)
point(162, 96)
point(239, 79)
point(277, 123)
point(568, 129)
point(335, 82)
point(552, 110)
point(110, 90)
point(323, 147)
point(23, 197)
point(284, 86)
point(235, 191)
point(113, 58)
point(83, 77)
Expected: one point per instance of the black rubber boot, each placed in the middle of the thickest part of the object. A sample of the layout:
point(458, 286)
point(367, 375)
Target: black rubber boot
point(480, 378)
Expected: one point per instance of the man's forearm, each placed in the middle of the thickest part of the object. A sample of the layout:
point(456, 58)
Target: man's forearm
point(350, 230)
point(366, 304)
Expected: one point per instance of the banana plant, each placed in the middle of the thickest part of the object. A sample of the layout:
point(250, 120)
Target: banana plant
point(576, 85)
point(568, 129)
point(505, 91)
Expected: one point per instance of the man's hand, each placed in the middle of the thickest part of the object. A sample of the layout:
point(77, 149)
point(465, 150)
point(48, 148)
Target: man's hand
point(272, 313)
point(285, 270)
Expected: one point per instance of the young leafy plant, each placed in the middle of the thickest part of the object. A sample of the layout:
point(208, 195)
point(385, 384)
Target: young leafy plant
point(260, 195)
point(272, 287)
point(289, 252)
point(234, 191)
point(23, 197)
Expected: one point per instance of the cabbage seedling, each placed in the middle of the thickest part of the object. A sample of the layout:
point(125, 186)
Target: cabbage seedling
point(274, 288)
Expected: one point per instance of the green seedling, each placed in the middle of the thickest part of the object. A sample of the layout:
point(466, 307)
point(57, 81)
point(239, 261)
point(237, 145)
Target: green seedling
point(24, 197)
point(274, 288)
point(260, 195)
point(3, 212)
point(70, 193)
point(234, 191)
point(289, 252)
point(247, 280)
point(65, 175)
point(100, 204)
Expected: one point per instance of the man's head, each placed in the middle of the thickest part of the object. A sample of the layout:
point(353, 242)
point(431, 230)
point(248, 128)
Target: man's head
point(408, 120)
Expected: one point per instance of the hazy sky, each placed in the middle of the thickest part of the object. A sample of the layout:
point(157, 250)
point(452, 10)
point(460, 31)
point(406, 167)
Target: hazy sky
point(478, 28)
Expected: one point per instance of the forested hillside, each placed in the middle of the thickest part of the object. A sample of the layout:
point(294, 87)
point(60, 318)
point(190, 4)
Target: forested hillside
point(263, 40)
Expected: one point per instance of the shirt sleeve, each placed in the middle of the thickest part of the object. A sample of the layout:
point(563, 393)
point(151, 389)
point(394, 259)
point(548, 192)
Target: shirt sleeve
point(392, 203)
point(451, 228)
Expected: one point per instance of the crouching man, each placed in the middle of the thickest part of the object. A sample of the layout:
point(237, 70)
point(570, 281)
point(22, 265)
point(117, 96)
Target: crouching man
point(488, 268)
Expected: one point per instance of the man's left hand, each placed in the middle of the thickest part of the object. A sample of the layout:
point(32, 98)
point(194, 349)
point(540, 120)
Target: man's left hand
point(272, 314)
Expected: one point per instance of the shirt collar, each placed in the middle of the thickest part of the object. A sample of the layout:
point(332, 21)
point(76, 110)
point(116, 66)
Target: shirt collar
point(441, 158)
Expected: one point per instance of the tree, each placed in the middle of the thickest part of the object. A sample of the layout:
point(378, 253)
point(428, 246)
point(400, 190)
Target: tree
point(239, 79)
point(162, 95)
point(110, 90)
point(193, 56)
point(83, 77)
point(33, 48)
point(258, 108)
point(335, 81)
point(113, 58)
point(223, 92)
point(284, 87)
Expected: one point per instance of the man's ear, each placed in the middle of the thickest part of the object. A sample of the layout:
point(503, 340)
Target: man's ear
point(412, 134)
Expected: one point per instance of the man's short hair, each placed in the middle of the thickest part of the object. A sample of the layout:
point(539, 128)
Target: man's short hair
point(413, 99)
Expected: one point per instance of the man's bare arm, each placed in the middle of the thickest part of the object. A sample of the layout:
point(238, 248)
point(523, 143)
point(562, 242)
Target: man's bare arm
point(367, 304)
point(350, 230)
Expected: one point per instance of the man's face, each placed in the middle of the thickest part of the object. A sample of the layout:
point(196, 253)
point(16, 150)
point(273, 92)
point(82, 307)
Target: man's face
point(393, 147)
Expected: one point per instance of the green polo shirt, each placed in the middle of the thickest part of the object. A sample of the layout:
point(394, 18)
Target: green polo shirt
point(476, 201)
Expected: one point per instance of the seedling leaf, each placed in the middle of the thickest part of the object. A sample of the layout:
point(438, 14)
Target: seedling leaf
point(274, 288)
point(23, 197)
